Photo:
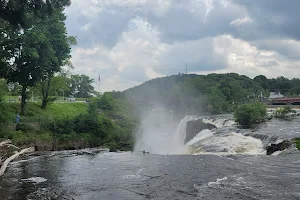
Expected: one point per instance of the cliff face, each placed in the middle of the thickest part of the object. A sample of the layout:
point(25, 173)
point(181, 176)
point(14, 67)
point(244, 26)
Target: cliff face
point(194, 127)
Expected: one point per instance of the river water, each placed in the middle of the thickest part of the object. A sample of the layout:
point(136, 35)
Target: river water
point(211, 173)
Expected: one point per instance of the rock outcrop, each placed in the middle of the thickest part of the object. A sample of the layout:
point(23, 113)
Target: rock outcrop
point(278, 147)
point(194, 127)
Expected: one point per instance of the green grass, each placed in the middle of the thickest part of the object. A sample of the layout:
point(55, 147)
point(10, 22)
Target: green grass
point(53, 111)
point(65, 110)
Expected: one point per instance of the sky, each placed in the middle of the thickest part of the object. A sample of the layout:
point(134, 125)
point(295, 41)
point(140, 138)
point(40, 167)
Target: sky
point(128, 42)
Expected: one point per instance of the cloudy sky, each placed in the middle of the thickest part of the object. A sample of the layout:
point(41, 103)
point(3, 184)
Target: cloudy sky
point(128, 42)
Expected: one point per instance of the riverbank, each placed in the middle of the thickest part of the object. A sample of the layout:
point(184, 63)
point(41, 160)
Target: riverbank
point(71, 126)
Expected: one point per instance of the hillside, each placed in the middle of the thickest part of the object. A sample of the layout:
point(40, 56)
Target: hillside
point(215, 93)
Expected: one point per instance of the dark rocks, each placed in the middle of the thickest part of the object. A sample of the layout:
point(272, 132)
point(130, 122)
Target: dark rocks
point(278, 147)
point(194, 127)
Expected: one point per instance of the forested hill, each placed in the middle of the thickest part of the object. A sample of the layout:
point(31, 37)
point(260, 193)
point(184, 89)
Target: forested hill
point(214, 93)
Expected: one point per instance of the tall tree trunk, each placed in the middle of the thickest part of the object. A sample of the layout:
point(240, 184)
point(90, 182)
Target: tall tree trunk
point(23, 101)
point(45, 93)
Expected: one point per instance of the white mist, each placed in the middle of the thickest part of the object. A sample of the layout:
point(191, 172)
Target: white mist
point(160, 133)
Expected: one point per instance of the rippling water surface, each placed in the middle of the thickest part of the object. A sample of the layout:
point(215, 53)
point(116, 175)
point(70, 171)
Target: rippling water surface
point(137, 176)
point(68, 175)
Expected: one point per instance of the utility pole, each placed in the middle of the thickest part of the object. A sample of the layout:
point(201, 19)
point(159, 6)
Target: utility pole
point(185, 69)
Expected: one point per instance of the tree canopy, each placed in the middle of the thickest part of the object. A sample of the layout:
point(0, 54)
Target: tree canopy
point(81, 86)
point(34, 43)
point(214, 93)
point(22, 13)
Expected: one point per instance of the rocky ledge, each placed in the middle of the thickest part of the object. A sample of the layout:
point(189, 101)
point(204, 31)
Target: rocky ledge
point(194, 127)
point(285, 144)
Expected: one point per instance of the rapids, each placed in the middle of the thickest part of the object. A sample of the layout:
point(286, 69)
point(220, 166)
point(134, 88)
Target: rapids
point(226, 139)
point(227, 163)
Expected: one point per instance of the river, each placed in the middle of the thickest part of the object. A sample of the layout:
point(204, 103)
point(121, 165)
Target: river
point(211, 173)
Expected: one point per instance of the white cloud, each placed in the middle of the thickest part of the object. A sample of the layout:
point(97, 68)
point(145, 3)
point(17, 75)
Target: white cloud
point(241, 21)
point(131, 41)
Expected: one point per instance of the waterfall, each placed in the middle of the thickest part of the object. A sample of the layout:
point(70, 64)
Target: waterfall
point(180, 133)
point(159, 137)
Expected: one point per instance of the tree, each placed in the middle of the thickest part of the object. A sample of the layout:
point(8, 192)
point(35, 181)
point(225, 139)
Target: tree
point(250, 114)
point(81, 86)
point(31, 63)
point(22, 13)
point(61, 44)
point(217, 102)
point(262, 81)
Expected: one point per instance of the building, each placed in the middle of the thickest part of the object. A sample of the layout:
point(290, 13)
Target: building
point(275, 95)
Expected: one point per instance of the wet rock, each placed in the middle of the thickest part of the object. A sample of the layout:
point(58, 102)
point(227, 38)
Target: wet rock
point(278, 147)
point(194, 127)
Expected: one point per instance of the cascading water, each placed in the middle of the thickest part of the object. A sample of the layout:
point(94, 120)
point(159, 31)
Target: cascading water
point(180, 133)
point(160, 137)
point(218, 122)
point(222, 140)
point(158, 134)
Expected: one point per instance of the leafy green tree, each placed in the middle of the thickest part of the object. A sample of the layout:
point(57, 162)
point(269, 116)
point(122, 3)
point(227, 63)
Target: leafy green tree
point(217, 102)
point(262, 81)
point(14, 89)
point(81, 86)
point(61, 44)
point(250, 114)
point(30, 65)
point(22, 13)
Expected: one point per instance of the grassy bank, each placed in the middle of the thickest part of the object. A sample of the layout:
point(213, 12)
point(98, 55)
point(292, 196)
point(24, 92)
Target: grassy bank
point(54, 111)
point(71, 126)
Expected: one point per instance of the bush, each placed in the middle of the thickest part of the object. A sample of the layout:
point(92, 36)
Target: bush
point(24, 127)
point(297, 142)
point(250, 114)
point(106, 102)
point(64, 126)
point(113, 147)
point(284, 112)
point(88, 124)
point(3, 112)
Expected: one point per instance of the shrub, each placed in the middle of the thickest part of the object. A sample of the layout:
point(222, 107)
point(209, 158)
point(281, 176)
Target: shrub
point(297, 142)
point(24, 127)
point(64, 126)
point(284, 112)
point(88, 124)
point(250, 114)
point(113, 147)
point(106, 102)
point(3, 112)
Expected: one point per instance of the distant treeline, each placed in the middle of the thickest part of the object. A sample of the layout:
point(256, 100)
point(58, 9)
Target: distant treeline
point(213, 93)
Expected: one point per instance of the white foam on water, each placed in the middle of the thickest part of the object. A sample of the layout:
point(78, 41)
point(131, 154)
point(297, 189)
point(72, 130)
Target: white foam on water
point(219, 180)
point(35, 180)
point(231, 143)
point(158, 141)
point(204, 134)
point(219, 122)
point(132, 176)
